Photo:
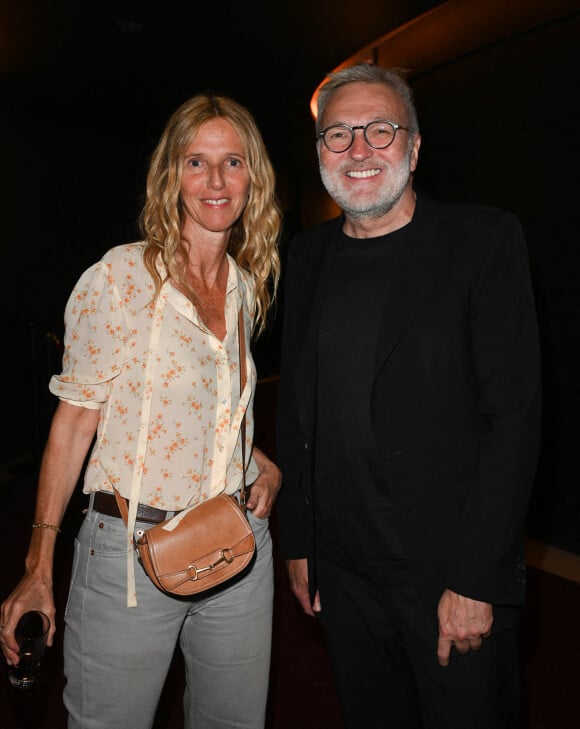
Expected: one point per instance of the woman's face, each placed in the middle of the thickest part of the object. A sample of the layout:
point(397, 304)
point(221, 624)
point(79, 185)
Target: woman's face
point(215, 181)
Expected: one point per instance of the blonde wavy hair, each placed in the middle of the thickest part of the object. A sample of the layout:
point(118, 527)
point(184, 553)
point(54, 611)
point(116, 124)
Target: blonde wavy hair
point(253, 241)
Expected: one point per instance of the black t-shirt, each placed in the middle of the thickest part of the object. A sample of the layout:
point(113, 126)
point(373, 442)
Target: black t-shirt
point(354, 517)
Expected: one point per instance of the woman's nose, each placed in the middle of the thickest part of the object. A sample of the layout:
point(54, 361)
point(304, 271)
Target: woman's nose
point(216, 177)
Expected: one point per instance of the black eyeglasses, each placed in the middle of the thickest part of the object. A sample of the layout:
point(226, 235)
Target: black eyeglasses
point(377, 134)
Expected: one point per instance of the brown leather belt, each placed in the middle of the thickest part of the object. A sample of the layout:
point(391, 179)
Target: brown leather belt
point(107, 504)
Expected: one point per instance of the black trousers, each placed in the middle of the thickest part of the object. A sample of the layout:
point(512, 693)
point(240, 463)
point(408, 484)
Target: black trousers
point(382, 641)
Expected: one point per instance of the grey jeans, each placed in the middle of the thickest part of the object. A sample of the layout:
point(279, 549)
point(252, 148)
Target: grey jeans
point(116, 658)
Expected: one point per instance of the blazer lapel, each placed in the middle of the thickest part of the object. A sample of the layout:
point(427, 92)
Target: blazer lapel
point(305, 376)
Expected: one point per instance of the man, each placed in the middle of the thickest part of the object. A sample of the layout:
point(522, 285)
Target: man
point(408, 426)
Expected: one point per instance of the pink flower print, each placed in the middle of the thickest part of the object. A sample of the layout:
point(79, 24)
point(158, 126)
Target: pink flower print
point(178, 443)
point(135, 387)
point(183, 338)
point(157, 428)
point(194, 476)
point(120, 409)
point(172, 373)
point(93, 350)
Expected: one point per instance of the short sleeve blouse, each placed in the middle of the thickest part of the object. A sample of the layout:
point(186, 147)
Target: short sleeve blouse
point(192, 450)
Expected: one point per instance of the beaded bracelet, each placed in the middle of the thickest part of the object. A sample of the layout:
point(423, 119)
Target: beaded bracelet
point(44, 525)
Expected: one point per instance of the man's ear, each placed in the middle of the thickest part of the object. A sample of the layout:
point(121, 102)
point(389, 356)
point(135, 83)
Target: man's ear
point(415, 152)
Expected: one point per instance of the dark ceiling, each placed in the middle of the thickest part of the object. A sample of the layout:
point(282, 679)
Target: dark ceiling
point(126, 64)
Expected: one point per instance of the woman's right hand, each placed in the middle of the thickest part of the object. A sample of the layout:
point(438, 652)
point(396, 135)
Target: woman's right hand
point(32, 593)
point(71, 433)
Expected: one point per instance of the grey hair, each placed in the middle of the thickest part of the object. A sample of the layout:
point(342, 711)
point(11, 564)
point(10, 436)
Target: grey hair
point(370, 74)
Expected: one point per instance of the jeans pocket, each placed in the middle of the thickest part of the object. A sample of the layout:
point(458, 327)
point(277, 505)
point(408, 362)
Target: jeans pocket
point(74, 572)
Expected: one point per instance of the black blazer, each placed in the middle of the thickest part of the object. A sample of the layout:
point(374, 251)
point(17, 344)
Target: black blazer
point(455, 402)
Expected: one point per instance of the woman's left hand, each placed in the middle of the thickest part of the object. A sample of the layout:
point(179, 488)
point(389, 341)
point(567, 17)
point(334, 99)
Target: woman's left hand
point(263, 492)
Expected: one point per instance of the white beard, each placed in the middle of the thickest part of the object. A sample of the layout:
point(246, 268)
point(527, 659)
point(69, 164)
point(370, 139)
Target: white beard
point(358, 206)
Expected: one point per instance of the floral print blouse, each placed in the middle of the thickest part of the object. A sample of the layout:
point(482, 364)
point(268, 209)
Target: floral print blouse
point(168, 390)
point(194, 383)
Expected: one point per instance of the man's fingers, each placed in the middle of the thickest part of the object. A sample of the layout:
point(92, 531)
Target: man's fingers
point(304, 601)
point(443, 651)
point(316, 606)
point(475, 644)
point(445, 645)
point(462, 646)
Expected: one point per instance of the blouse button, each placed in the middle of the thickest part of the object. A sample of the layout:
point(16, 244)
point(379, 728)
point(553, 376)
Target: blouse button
point(101, 525)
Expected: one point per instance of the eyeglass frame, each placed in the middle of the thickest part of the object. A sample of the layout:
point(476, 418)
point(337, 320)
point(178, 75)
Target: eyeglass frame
point(394, 125)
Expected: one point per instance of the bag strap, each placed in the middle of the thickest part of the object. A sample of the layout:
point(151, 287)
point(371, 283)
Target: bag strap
point(243, 377)
point(122, 504)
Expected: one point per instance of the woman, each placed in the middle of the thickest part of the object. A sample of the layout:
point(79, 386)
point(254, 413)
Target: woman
point(152, 368)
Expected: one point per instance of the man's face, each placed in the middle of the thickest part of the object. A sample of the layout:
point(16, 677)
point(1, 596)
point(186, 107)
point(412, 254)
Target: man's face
point(367, 182)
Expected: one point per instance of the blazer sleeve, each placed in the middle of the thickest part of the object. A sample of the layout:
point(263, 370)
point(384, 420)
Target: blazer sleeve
point(293, 505)
point(486, 546)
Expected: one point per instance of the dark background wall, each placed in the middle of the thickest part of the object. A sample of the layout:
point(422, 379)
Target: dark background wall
point(500, 126)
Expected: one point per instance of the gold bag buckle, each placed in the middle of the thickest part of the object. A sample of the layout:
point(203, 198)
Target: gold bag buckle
point(222, 558)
